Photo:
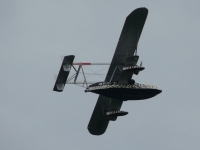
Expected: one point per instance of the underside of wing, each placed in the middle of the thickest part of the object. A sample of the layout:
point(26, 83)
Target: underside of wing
point(125, 50)
point(128, 41)
point(98, 121)
point(126, 46)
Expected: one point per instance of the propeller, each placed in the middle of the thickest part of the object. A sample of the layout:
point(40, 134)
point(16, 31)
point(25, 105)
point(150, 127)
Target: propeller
point(140, 66)
point(55, 76)
point(137, 38)
point(62, 57)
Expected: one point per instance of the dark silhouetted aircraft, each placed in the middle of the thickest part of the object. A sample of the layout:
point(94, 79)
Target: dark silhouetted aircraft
point(118, 85)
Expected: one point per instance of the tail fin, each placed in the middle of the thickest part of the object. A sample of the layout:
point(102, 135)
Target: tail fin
point(63, 73)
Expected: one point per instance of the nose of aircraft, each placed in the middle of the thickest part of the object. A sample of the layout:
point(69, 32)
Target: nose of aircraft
point(158, 91)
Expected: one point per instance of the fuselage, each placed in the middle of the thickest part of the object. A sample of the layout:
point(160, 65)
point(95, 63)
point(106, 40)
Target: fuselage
point(114, 90)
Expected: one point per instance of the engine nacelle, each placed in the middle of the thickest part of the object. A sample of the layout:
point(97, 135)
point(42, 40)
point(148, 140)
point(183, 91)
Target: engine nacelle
point(116, 113)
point(135, 69)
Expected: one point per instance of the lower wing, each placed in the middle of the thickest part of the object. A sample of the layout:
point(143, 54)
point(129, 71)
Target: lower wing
point(99, 120)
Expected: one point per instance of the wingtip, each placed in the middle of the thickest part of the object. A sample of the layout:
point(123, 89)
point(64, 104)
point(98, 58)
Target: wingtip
point(142, 10)
point(94, 132)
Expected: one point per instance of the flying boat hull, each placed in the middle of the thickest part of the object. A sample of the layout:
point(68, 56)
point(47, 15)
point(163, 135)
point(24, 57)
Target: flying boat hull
point(124, 91)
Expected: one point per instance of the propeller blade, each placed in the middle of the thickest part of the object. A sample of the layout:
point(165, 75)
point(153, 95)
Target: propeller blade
point(141, 64)
point(55, 76)
point(62, 57)
point(137, 42)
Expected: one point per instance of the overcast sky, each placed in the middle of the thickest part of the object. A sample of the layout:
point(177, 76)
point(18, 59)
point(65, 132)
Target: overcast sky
point(33, 36)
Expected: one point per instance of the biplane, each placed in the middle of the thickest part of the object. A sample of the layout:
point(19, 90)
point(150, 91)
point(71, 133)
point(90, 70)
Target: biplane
point(118, 85)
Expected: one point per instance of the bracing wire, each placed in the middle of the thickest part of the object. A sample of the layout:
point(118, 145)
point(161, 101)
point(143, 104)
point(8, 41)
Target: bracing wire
point(96, 73)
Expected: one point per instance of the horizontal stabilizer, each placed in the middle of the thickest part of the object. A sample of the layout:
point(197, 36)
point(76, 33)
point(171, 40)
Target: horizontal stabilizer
point(63, 73)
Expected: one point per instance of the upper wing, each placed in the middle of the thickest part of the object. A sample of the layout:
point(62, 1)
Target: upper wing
point(126, 47)
point(128, 41)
